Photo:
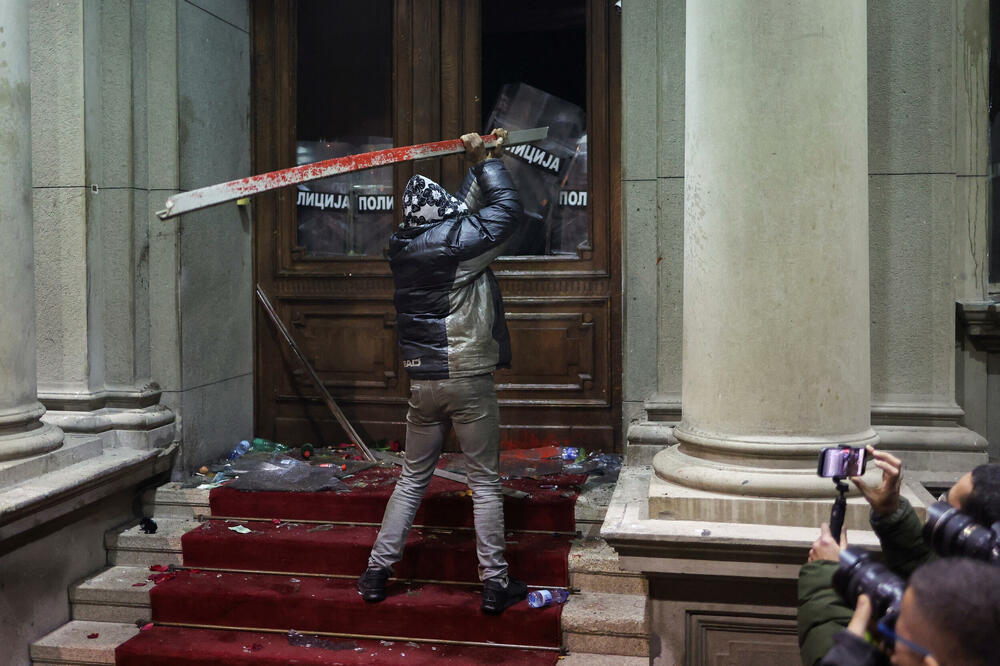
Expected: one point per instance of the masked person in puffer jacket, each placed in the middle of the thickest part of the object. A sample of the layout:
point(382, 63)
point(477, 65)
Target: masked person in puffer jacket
point(452, 334)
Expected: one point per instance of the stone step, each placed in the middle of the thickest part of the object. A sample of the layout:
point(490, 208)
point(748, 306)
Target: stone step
point(610, 624)
point(173, 501)
point(593, 567)
point(75, 449)
point(591, 507)
point(113, 595)
point(592, 659)
point(69, 643)
point(133, 547)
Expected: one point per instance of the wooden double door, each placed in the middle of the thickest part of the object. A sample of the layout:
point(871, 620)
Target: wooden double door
point(333, 78)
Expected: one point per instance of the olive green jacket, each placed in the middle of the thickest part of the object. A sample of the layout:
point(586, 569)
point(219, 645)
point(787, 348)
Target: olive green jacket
point(822, 613)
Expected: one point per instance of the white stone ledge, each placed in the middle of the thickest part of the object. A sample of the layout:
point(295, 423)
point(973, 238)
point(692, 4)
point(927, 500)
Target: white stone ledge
point(47, 497)
point(693, 546)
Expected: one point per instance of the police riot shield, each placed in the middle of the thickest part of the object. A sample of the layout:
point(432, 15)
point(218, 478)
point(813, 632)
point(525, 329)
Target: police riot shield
point(347, 215)
point(543, 170)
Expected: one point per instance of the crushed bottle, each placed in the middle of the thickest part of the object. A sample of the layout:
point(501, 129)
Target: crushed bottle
point(542, 598)
point(267, 446)
point(239, 450)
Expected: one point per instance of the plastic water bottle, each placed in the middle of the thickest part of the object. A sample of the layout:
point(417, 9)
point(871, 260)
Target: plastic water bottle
point(240, 449)
point(541, 598)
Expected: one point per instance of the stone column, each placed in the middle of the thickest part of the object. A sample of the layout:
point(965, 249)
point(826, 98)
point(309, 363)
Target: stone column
point(776, 308)
point(21, 432)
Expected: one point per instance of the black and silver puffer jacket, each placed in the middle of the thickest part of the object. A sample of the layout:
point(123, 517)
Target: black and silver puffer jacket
point(449, 313)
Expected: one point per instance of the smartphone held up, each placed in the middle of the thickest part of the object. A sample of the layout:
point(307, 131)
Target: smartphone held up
point(842, 461)
point(838, 463)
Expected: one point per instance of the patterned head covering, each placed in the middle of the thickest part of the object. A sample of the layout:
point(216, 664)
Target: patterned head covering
point(426, 202)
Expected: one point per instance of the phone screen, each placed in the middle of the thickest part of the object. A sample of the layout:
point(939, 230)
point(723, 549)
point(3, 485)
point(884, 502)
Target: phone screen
point(842, 461)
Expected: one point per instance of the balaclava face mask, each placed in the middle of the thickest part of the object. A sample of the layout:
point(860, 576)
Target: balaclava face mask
point(426, 202)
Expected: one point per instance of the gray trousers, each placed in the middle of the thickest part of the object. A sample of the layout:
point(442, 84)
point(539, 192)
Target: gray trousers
point(470, 405)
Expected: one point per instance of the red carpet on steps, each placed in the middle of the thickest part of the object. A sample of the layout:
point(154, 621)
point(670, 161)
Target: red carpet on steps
point(259, 589)
point(449, 612)
point(550, 507)
point(168, 646)
point(445, 554)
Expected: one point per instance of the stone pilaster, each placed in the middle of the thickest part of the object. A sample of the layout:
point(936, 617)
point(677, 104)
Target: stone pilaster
point(22, 434)
point(776, 306)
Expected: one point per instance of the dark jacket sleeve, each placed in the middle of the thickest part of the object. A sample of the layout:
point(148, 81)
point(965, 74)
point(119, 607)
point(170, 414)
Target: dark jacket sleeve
point(822, 613)
point(850, 650)
point(481, 235)
point(901, 536)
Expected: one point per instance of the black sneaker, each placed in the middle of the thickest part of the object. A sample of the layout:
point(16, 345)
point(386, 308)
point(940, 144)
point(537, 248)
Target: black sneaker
point(371, 585)
point(497, 598)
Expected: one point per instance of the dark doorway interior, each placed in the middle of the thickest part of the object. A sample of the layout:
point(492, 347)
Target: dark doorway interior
point(543, 44)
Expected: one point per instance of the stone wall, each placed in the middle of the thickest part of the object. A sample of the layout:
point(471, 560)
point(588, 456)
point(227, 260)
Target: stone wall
point(37, 571)
point(141, 319)
point(214, 381)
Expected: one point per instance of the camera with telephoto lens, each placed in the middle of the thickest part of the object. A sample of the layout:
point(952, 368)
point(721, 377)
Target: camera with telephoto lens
point(859, 573)
point(952, 533)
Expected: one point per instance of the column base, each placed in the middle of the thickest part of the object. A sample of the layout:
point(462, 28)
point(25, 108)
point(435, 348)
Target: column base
point(132, 419)
point(24, 443)
point(672, 501)
point(759, 467)
point(933, 455)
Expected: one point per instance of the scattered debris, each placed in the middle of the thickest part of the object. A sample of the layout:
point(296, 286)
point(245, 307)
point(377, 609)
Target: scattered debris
point(321, 528)
point(241, 529)
point(284, 473)
point(92, 635)
point(570, 453)
point(148, 525)
point(307, 640)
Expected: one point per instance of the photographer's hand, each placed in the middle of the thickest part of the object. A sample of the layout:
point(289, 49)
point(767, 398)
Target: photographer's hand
point(825, 548)
point(862, 616)
point(885, 498)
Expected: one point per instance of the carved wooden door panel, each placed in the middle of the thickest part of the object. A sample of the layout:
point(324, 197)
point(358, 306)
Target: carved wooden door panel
point(332, 78)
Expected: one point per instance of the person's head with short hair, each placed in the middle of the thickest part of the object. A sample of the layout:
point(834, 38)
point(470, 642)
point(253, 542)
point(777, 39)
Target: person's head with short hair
point(978, 494)
point(951, 609)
